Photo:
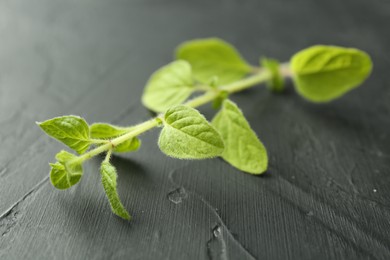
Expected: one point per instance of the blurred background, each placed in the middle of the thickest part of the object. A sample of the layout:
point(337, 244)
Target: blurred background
point(324, 197)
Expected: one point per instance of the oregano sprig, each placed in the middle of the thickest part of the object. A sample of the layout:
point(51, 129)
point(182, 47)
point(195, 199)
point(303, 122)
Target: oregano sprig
point(206, 70)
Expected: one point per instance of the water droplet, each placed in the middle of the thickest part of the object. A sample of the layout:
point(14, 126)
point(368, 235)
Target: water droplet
point(177, 196)
point(217, 231)
point(216, 246)
point(310, 213)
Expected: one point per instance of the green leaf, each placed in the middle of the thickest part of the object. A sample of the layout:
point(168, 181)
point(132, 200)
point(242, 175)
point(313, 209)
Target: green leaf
point(70, 130)
point(188, 135)
point(106, 131)
point(276, 83)
point(168, 86)
point(213, 57)
point(323, 73)
point(109, 177)
point(65, 173)
point(243, 149)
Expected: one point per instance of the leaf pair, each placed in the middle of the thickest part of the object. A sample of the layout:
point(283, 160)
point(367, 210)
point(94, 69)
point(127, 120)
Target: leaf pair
point(208, 62)
point(75, 132)
point(105, 131)
point(188, 135)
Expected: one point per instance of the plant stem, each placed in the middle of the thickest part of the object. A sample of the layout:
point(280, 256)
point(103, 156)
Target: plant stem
point(137, 130)
point(237, 86)
point(98, 141)
point(248, 82)
point(203, 99)
point(108, 156)
point(208, 96)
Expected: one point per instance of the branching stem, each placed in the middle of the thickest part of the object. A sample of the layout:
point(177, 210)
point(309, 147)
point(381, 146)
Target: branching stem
point(260, 76)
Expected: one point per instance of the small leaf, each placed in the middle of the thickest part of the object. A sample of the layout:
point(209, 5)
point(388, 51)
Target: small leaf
point(106, 131)
point(243, 149)
point(65, 173)
point(213, 82)
point(128, 146)
point(213, 57)
point(168, 86)
point(109, 177)
point(276, 83)
point(70, 130)
point(188, 135)
point(217, 102)
point(323, 73)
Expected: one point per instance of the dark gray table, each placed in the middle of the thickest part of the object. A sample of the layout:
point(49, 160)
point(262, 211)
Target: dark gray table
point(325, 196)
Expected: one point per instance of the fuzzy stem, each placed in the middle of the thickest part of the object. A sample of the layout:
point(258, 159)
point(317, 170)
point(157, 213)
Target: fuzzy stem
point(108, 156)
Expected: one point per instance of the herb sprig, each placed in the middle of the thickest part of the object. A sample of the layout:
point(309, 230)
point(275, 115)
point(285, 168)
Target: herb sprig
point(215, 69)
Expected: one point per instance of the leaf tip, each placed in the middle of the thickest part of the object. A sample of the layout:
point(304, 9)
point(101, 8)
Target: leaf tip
point(125, 216)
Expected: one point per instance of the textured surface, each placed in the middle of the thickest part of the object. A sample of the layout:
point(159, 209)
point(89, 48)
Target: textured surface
point(325, 195)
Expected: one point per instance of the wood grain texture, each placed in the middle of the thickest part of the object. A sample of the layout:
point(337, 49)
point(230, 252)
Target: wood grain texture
point(325, 195)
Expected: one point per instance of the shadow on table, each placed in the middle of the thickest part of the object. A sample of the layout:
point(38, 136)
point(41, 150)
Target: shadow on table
point(86, 203)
